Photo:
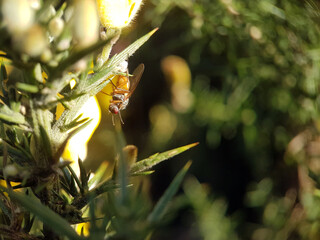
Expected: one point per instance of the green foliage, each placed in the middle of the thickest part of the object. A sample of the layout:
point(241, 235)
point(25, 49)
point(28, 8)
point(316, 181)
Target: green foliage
point(255, 106)
point(254, 65)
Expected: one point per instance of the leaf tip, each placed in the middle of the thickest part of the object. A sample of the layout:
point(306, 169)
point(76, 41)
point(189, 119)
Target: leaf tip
point(153, 31)
point(187, 165)
point(192, 145)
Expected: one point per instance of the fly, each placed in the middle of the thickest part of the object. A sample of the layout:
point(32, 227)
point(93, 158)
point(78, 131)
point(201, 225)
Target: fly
point(123, 90)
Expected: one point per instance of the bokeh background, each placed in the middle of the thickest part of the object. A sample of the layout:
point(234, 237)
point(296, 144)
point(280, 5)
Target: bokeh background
point(242, 79)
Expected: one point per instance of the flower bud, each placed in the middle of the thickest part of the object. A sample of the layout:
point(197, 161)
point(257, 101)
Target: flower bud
point(34, 41)
point(85, 22)
point(46, 55)
point(17, 15)
point(10, 170)
point(117, 13)
point(56, 26)
point(35, 4)
point(47, 14)
point(63, 44)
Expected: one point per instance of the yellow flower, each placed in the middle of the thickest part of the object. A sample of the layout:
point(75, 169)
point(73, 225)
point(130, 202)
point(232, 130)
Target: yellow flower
point(83, 228)
point(117, 13)
point(85, 23)
point(77, 144)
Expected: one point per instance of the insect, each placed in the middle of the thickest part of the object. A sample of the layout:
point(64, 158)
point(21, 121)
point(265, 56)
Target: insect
point(123, 90)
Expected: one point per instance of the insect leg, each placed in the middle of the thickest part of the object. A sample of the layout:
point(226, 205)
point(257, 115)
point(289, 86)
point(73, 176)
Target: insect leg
point(120, 117)
point(112, 116)
point(105, 93)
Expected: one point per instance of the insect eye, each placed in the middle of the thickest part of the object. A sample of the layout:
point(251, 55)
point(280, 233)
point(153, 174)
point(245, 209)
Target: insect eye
point(113, 109)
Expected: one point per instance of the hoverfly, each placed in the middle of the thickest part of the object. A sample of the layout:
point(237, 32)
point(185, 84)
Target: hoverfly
point(123, 90)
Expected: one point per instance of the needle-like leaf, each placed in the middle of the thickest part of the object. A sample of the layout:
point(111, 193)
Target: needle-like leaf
point(155, 159)
point(161, 206)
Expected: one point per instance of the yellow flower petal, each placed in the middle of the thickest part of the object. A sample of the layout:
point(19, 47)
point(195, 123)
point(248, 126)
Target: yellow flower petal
point(77, 144)
point(117, 13)
point(83, 227)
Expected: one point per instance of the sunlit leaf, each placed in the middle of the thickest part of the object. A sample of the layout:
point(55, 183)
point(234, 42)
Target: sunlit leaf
point(10, 116)
point(148, 163)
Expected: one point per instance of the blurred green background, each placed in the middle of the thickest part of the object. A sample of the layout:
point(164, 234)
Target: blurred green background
point(242, 78)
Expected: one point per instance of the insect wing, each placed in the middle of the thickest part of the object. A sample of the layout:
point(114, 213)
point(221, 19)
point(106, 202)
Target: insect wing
point(135, 79)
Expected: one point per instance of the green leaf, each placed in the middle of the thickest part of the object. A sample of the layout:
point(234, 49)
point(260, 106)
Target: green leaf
point(145, 173)
point(18, 155)
point(84, 177)
point(45, 140)
point(68, 183)
point(3, 76)
point(63, 100)
point(122, 168)
point(98, 175)
point(97, 82)
point(57, 224)
point(155, 159)
point(119, 58)
point(27, 87)
point(10, 116)
point(75, 177)
point(74, 123)
point(81, 201)
point(163, 202)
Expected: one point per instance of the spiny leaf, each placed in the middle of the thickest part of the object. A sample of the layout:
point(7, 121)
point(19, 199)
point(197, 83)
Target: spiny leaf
point(148, 163)
point(145, 173)
point(98, 174)
point(75, 177)
point(74, 123)
point(119, 58)
point(122, 168)
point(57, 224)
point(64, 101)
point(81, 201)
point(83, 177)
point(68, 183)
point(10, 116)
point(46, 144)
point(107, 70)
point(97, 81)
point(163, 202)
point(17, 154)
